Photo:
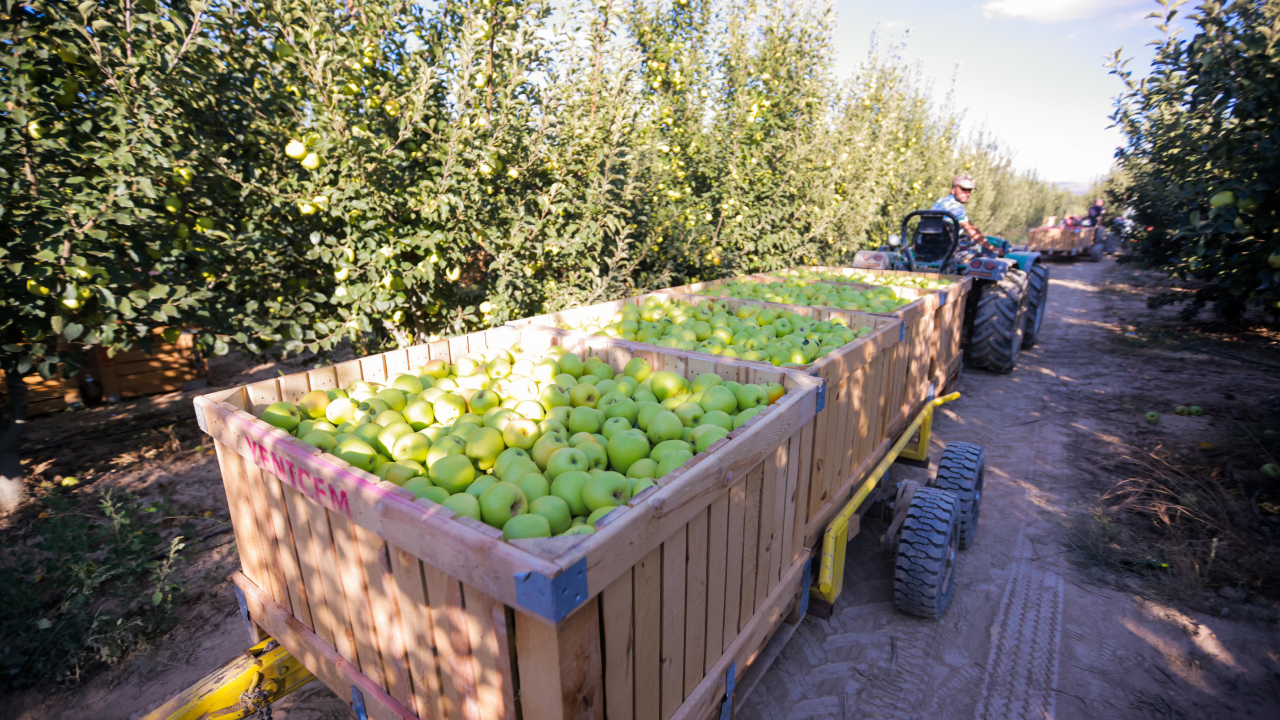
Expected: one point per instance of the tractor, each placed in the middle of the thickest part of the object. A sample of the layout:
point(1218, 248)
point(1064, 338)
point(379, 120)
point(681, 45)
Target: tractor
point(1006, 308)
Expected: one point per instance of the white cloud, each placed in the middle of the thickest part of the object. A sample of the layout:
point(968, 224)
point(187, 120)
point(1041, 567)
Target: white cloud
point(1055, 11)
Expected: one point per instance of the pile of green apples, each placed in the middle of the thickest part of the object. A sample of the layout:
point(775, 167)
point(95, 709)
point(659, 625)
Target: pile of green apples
point(864, 278)
point(816, 294)
point(534, 445)
point(749, 332)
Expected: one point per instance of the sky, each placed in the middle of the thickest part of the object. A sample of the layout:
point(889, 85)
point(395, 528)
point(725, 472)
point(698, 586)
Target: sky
point(1031, 71)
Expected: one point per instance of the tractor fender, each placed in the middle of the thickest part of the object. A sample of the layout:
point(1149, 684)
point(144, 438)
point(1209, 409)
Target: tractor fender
point(1024, 259)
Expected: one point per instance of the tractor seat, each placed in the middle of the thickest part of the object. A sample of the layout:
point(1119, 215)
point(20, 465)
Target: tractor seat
point(932, 241)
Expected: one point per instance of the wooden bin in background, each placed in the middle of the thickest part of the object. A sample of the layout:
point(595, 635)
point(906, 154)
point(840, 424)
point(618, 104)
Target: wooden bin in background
point(44, 396)
point(942, 346)
point(1070, 240)
point(412, 612)
point(862, 390)
point(166, 367)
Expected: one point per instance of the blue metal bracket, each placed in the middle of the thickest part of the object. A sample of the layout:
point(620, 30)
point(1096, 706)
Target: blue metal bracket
point(244, 615)
point(822, 398)
point(553, 598)
point(726, 710)
point(902, 331)
point(943, 301)
point(357, 704)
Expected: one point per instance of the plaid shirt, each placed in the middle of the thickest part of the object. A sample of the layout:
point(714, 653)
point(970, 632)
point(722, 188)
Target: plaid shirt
point(953, 206)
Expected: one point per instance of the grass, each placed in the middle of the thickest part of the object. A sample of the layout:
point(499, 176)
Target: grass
point(85, 581)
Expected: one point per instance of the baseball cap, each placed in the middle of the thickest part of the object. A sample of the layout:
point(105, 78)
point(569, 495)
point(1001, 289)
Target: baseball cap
point(963, 181)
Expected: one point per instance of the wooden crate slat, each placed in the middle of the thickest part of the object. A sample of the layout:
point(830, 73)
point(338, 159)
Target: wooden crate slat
point(415, 617)
point(733, 571)
point(452, 644)
point(243, 523)
point(648, 613)
point(674, 569)
point(560, 672)
point(287, 548)
point(617, 629)
point(717, 563)
point(767, 532)
point(750, 538)
point(487, 623)
point(695, 613)
point(384, 614)
point(309, 564)
point(355, 587)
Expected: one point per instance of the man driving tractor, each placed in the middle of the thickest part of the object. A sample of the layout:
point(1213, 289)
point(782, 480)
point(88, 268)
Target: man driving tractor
point(961, 188)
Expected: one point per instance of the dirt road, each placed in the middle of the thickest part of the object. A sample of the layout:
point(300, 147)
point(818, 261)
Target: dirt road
point(1028, 636)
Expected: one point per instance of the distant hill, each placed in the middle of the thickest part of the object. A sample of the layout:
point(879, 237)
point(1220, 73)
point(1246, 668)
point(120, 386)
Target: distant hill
point(1075, 188)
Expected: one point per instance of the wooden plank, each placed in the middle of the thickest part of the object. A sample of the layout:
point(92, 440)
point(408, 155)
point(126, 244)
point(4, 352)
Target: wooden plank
point(453, 644)
point(293, 387)
point(733, 571)
point(420, 637)
point(323, 378)
point(695, 613)
point(750, 539)
point(385, 614)
point(335, 611)
point(648, 614)
point(704, 701)
point(335, 671)
point(354, 585)
point(397, 363)
point(255, 485)
point(373, 369)
point(764, 542)
point(617, 630)
point(802, 448)
point(287, 548)
point(778, 523)
point(717, 561)
point(560, 673)
point(348, 372)
point(487, 624)
point(243, 523)
point(309, 559)
point(674, 570)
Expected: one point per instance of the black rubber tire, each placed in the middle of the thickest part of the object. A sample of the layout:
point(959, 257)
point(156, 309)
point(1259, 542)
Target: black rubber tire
point(1037, 301)
point(961, 471)
point(996, 337)
point(924, 578)
point(1096, 252)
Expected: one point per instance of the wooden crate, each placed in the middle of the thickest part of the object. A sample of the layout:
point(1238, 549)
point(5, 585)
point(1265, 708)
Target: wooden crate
point(1071, 240)
point(945, 351)
point(166, 367)
point(44, 396)
point(412, 612)
point(863, 386)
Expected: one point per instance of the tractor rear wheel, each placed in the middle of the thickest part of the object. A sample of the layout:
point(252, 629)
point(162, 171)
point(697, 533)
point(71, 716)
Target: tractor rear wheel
point(961, 471)
point(996, 337)
point(924, 579)
point(1037, 301)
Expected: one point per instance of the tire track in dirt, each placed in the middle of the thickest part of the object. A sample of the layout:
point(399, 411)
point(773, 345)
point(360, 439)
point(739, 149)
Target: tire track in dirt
point(1022, 670)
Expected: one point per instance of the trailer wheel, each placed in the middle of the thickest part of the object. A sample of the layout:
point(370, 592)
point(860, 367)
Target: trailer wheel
point(996, 338)
point(1096, 252)
point(924, 579)
point(961, 471)
point(1037, 301)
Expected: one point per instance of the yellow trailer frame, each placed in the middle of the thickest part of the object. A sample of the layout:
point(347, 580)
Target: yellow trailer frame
point(247, 684)
point(836, 539)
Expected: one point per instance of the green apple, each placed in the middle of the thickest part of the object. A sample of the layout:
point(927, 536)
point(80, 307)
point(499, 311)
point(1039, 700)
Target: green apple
point(484, 446)
point(435, 432)
point(546, 370)
point(644, 395)
point(380, 461)
point(407, 383)
point(418, 414)
point(526, 526)
point(1153, 417)
point(502, 502)
point(394, 398)
point(464, 504)
point(414, 448)
point(588, 379)
point(445, 447)
point(507, 458)
point(690, 414)
point(314, 404)
point(577, 439)
point(397, 473)
point(645, 413)
point(666, 383)
point(498, 417)
point(637, 368)
point(568, 487)
point(470, 419)
point(666, 447)
point(551, 425)
point(597, 455)
point(579, 530)
point(643, 468)
point(599, 368)
point(482, 483)
point(615, 405)
point(613, 426)
point(553, 396)
point(598, 514)
point(639, 485)
point(704, 381)
point(719, 398)
point(750, 396)
point(534, 484)
point(549, 443)
point(607, 488)
point(774, 391)
point(666, 425)
point(284, 415)
point(673, 460)
point(389, 417)
point(571, 364)
point(448, 408)
point(584, 419)
point(555, 510)
point(719, 419)
point(564, 460)
point(710, 435)
point(483, 401)
point(741, 418)
point(584, 395)
point(625, 448)
point(453, 473)
point(672, 403)
point(463, 430)
point(606, 387)
point(531, 409)
point(560, 414)
point(321, 439)
point(356, 451)
point(512, 468)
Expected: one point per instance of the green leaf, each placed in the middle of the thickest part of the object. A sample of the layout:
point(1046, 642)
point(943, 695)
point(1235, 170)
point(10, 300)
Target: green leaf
point(159, 291)
point(157, 597)
point(46, 256)
point(72, 331)
point(43, 624)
